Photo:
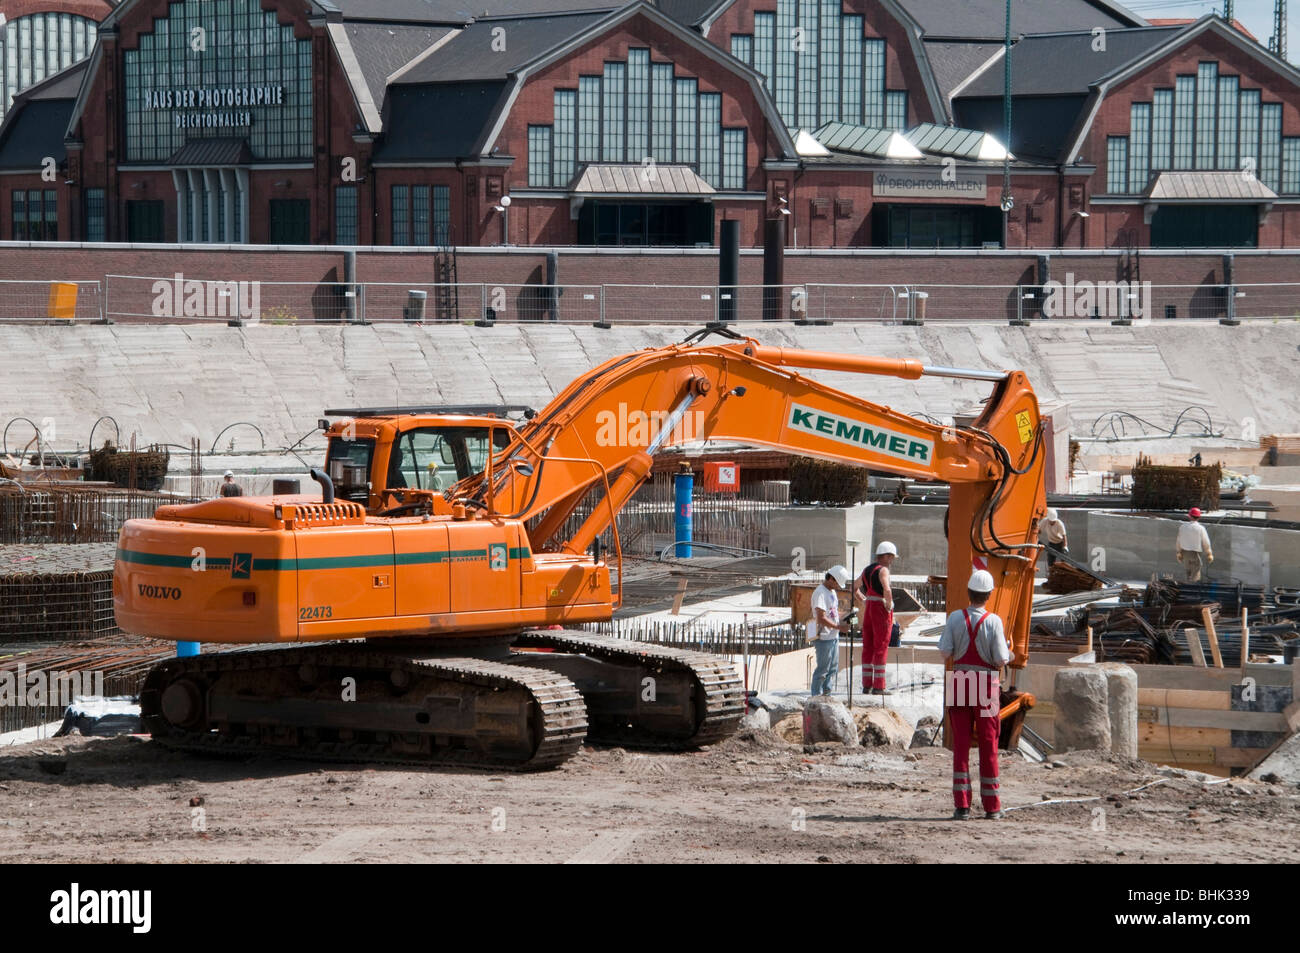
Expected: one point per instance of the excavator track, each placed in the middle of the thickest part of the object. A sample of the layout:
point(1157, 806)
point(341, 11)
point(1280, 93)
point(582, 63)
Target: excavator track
point(403, 708)
point(639, 695)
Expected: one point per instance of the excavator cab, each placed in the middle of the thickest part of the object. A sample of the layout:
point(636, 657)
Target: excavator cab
point(396, 461)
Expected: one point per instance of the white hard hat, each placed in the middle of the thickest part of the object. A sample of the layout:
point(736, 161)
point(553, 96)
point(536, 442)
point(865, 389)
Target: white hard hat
point(230, 473)
point(981, 580)
point(840, 573)
point(1050, 514)
point(886, 549)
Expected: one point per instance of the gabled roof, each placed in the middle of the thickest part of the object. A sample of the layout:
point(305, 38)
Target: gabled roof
point(212, 152)
point(34, 125)
point(986, 19)
point(469, 56)
point(438, 122)
point(953, 62)
point(691, 12)
point(381, 49)
point(1059, 64)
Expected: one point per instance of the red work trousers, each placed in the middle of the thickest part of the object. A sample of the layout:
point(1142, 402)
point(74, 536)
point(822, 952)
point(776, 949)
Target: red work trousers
point(984, 722)
point(877, 624)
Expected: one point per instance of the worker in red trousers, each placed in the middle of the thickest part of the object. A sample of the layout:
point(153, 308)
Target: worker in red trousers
point(975, 642)
point(874, 594)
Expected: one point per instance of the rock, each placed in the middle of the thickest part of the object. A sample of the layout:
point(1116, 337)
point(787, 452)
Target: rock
point(1122, 707)
point(1082, 709)
point(1059, 764)
point(828, 720)
point(781, 704)
point(757, 720)
point(927, 721)
point(790, 728)
point(882, 727)
point(924, 738)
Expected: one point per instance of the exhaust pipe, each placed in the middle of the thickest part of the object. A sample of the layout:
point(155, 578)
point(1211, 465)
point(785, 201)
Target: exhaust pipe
point(326, 484)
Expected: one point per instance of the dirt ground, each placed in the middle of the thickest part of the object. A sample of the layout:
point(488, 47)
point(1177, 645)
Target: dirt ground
point(752, 798)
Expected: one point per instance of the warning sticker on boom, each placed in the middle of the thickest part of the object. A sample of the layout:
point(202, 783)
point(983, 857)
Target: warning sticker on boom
point(1024, 426)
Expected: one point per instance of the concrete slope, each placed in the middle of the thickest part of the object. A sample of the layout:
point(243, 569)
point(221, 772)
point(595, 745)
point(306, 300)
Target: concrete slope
point(172, 382)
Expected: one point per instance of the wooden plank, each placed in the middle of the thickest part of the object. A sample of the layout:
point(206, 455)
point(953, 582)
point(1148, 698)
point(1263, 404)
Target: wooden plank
point(1183, 698)
point(1194, 647)
point(1230, 720)
point(1183, 737)
point(1208, 679)
point(1239, 757)
point(1245, 641)
point(1213, 635)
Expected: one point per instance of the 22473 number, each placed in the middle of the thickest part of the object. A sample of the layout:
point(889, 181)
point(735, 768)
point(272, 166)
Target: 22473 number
point(308, 613)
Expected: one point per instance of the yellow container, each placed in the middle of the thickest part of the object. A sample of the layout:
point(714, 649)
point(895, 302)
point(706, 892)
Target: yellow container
point(63, 300)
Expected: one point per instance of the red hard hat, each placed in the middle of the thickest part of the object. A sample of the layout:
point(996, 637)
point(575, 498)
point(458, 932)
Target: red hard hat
point(1194, 513)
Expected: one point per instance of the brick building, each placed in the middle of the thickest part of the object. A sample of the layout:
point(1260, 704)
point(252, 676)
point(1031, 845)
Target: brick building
point(853, 123)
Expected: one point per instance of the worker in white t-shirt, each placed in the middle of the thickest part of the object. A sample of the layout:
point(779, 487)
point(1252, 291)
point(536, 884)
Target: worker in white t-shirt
point(824, 627)
point(1194, 546)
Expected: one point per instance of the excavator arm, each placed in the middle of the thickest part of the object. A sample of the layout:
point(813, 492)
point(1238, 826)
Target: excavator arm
point(601, 433)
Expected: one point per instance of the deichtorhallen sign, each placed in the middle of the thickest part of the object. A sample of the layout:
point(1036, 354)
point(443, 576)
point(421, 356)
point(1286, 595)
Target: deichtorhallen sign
point(217, 70)
point(927, 184)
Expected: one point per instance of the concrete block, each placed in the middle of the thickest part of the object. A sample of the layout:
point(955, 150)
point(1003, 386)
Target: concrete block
point(822, 533)
point(1122, 706)
point(1082, 709)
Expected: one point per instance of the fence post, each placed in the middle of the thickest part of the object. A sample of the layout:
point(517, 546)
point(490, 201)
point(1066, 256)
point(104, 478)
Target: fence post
point(602, 322)
point(103, 304)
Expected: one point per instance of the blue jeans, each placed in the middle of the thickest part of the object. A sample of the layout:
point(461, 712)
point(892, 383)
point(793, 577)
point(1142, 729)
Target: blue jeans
point(828, 660)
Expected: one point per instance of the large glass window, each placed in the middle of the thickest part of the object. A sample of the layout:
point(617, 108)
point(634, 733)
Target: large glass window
point(851, 57)
point(1207, 90)
point(566, 119)
point(830, 62)
point(442, 215)
point(18, 210)
point(687, 122)
point(1116, 164)
point(808, 56)
point(401, 215)
point(35, 47)
point(588, 118)
point(733, 158)
point(345, 215)
point(742, 48)
point(638, 104)
point(764, 32)
point(1270, 145)
point(1139, 146)
point(614, 89)
point(1162, 126)
point(253, 81)
point(711, 138)
point(1248, 143)
point(420, 214)
point(873, 83)
point(1184, 120)
point(539, 156)
point(1228, 98)
point(1291, 165)
point(661, 112)
point(783, 88)
point(95, 227)
point(896, 109)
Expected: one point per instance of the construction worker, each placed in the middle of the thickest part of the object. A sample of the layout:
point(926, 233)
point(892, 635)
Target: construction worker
point(229, 487)
point(877, 598)
point(1193, 541)
point(1051, 533)
point(824, 628)
point(977, 645)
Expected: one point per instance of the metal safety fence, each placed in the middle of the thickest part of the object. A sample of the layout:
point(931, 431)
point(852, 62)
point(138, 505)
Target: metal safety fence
point(180, 299)
point(51, 302)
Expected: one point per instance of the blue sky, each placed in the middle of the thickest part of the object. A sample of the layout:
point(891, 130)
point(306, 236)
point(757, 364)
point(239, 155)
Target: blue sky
point(1257, 15)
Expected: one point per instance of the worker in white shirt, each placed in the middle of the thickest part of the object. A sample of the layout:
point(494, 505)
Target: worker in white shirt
point(1193, 546)
point(1051, 533)
point(824, 627)
point(975, 641)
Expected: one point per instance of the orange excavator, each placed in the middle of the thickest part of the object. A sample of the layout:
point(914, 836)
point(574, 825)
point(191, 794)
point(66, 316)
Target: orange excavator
point(444, 622)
